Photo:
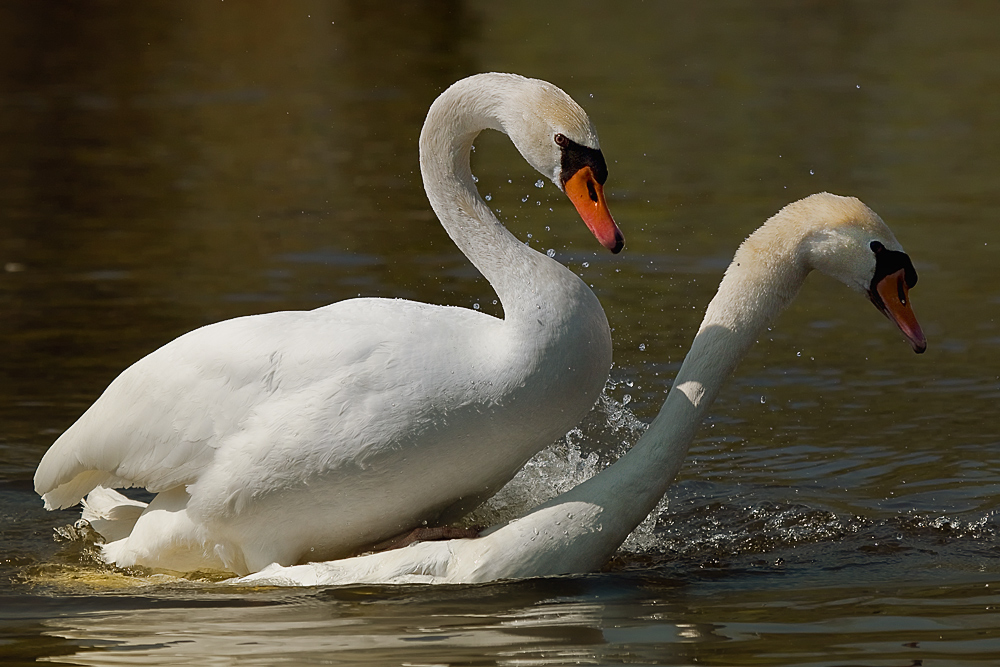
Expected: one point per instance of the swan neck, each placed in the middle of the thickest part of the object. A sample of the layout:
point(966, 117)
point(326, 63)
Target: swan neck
point(453, 122)
point(751, 295)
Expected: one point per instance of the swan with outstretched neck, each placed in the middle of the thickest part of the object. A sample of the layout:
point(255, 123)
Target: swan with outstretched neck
point(299, 436)
point(579, 530)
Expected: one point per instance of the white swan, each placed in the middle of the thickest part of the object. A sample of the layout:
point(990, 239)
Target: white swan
point(578, 531)
point(298, 436)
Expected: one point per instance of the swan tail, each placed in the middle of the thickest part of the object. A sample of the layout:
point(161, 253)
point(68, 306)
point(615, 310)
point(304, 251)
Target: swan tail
point(111, 514)
point(68, 493)
point(72, 492)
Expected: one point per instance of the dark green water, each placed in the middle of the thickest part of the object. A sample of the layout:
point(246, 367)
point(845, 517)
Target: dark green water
point(171, 164)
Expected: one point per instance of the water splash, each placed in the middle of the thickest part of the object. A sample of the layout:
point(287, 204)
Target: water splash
point(730, 528)
point(719, 524)
point(605, 434)
point(78, 568)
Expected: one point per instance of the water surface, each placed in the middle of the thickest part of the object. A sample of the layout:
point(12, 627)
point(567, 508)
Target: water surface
point(173, 165)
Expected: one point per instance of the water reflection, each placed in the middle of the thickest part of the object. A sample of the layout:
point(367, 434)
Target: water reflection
point(544, 623)
point(538, 622)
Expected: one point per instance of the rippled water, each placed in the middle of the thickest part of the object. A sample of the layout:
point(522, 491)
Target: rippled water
point(180, 163)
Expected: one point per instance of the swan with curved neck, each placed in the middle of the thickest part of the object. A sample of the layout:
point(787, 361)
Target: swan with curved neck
point(296, 436)
point(579, 530)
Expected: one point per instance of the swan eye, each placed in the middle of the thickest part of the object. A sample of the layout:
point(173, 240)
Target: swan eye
point(888, 262)
point(561, 140)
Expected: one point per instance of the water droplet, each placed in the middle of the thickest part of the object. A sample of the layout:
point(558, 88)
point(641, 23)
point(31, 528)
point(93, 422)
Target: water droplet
point(811, 172)
point(798, 354)
point(626, 399)
point(762, 400)
point(475, 179)
point(488, 197)
point(548, 229)
point(529, 235)
point(539, 183)
point(534, 530)
point(586, 264)
point(642, 347)
point(550, 252)
point(524, 199)
point(475, 306)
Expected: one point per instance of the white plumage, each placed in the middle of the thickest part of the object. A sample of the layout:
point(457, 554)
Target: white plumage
point(579, 530)
point(297, 436)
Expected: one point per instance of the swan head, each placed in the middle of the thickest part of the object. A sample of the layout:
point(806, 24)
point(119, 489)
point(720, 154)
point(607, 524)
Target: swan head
point(554, 134)
point(848, 241)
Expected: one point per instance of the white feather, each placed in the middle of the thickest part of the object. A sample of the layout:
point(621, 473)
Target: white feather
point(579, 530)
point(299, 435)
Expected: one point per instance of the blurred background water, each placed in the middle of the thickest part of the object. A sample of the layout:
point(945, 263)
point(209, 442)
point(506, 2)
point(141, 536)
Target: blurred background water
point(164, 165)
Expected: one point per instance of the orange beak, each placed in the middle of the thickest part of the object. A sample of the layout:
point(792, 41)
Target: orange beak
point(896, 306)
point(587, 196)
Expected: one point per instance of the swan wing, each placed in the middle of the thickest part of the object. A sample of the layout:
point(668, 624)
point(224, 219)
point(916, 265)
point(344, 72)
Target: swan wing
point(163, 421)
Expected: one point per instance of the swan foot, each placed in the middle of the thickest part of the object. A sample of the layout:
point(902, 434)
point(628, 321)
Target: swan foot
point(426, 534)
